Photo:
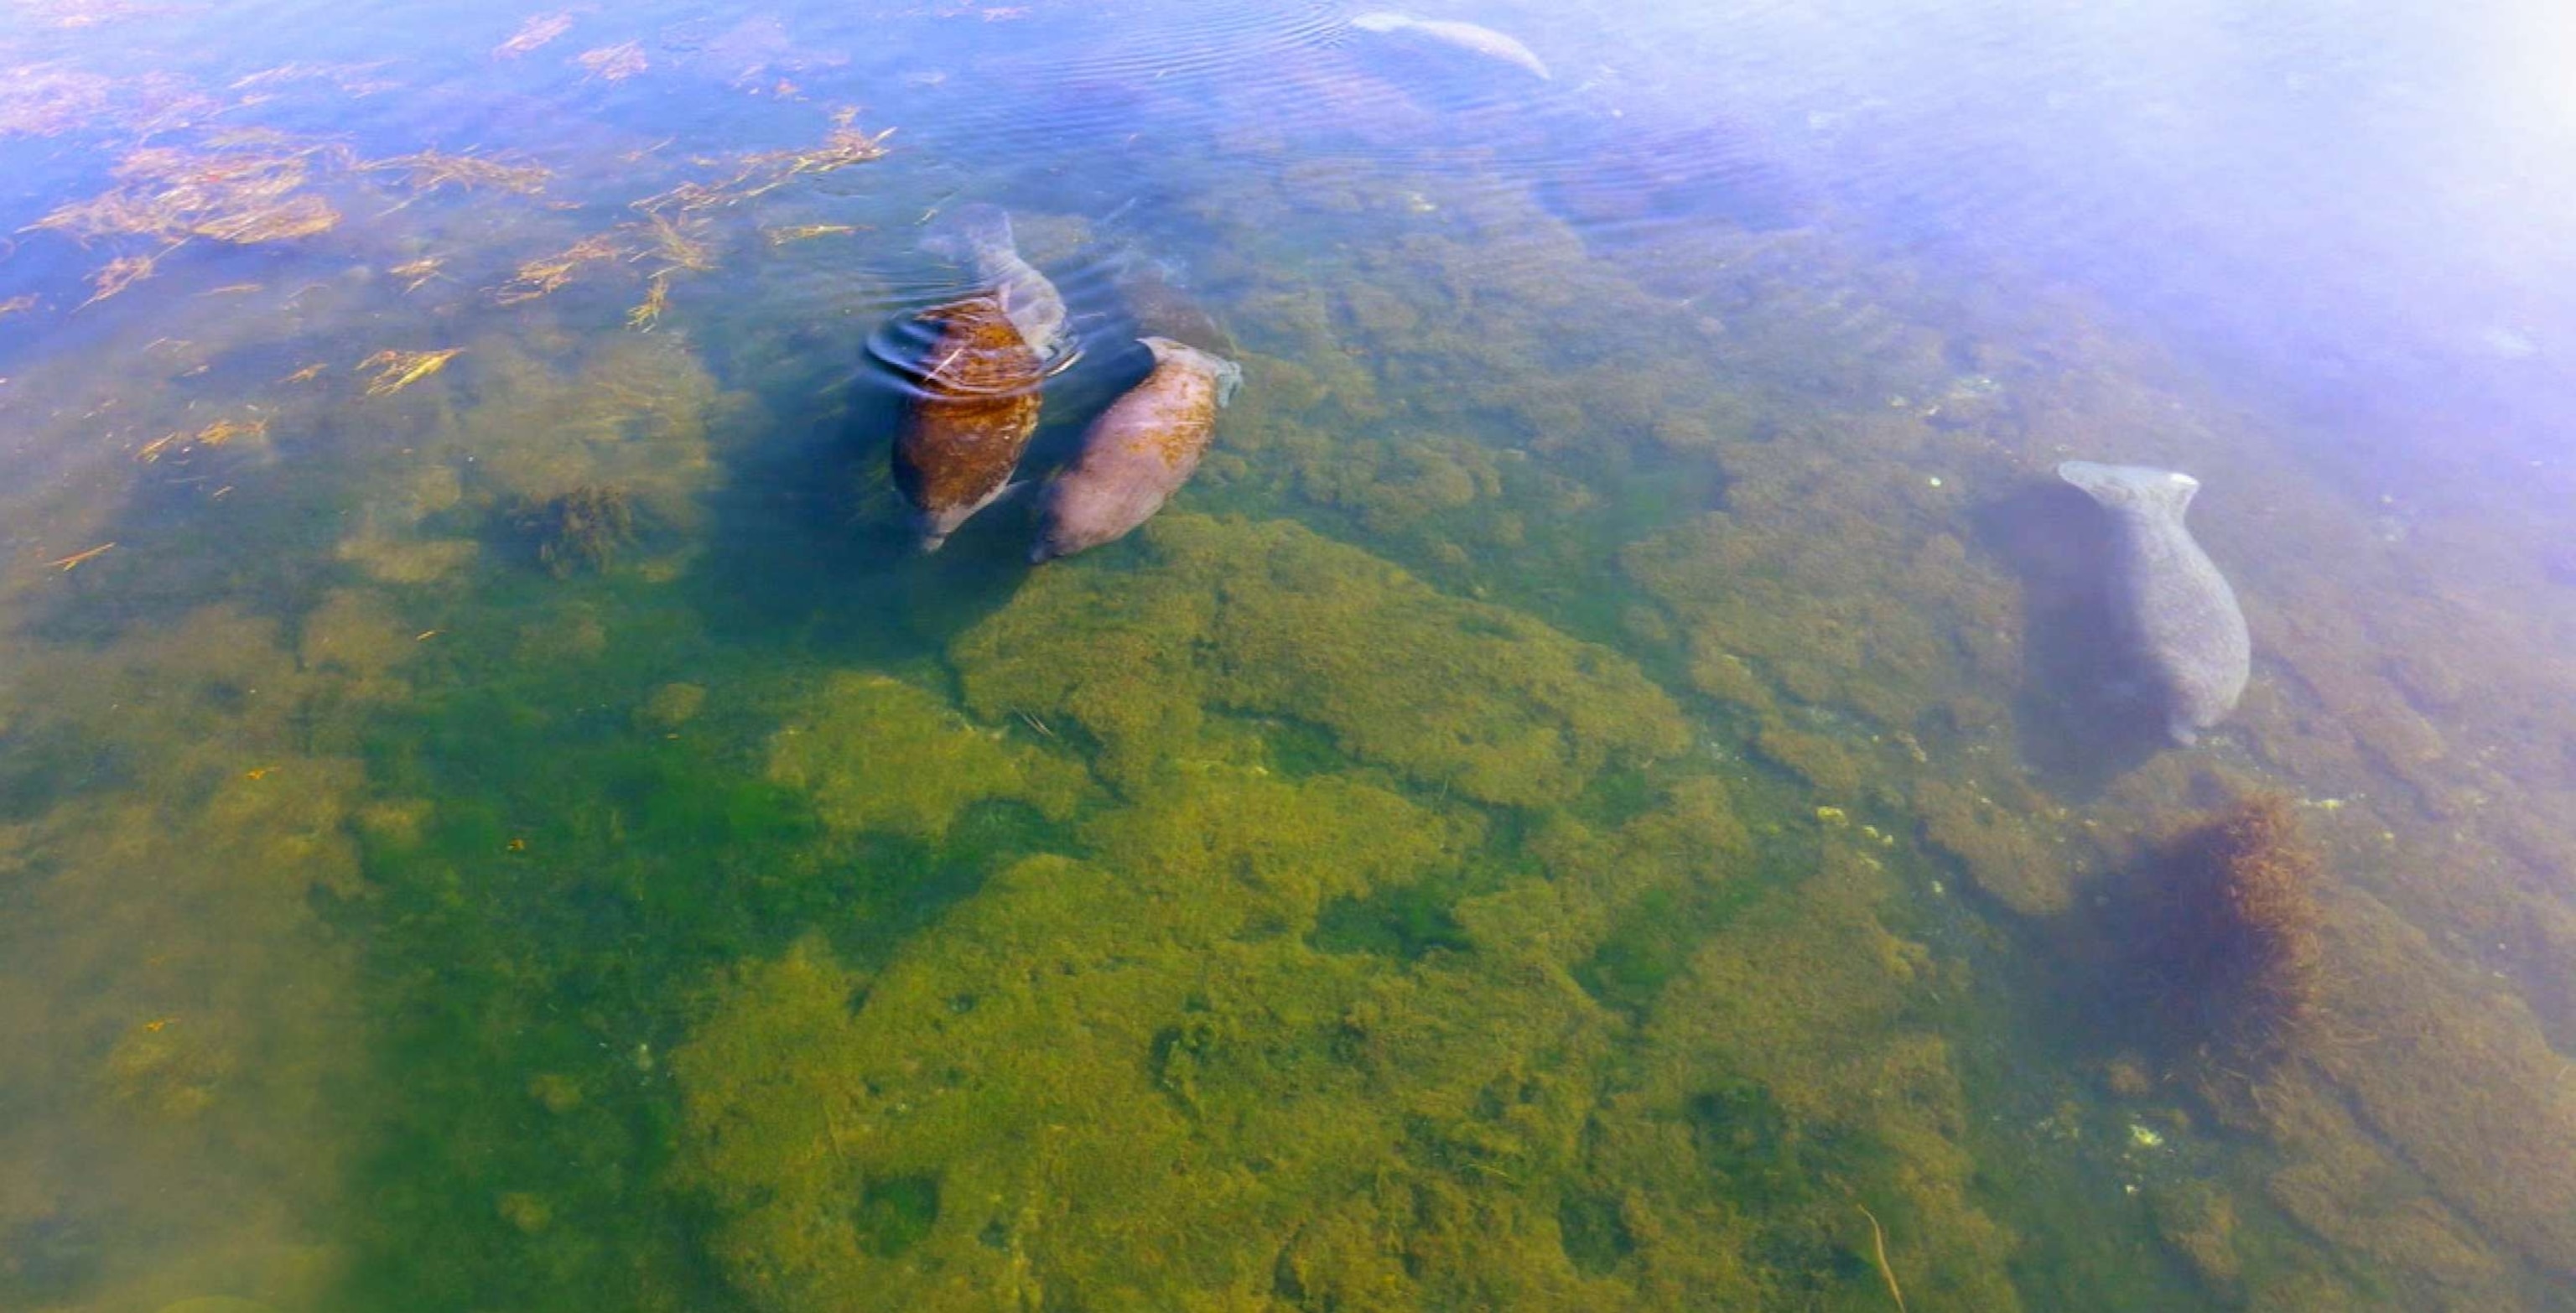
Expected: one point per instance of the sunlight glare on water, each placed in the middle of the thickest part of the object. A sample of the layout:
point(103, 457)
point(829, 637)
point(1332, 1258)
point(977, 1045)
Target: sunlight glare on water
point(1626, 713)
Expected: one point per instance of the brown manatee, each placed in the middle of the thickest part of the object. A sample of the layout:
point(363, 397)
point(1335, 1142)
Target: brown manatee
point(974, 405)
point(1138, 453)
point(2173, 606)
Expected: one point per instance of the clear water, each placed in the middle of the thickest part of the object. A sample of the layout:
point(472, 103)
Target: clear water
point(1612, 788)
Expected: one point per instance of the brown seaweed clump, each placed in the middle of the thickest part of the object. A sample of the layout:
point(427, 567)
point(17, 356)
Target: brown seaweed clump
point(2234, 947)
point(583, 529)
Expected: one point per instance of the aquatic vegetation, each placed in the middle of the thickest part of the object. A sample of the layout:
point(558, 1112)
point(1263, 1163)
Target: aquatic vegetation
point(123, 272)
point(657, 298)
point(534, 33)
point(42, 100)
point(612, 63)
point(2197, 1221)
point(429, 170)
point(806, 232)
point(77, 559)
point(759, 173)
point(1118, 1038)
point(583, 529)
point(2003, 853)
point(1276, 620)
point(547, 274)
point(416, 273)
point(396, 370)
point(2232, 932)
point(632, 413)
point(152, 1062)
point(879, 755)
point(239, 188)
point(208, 438)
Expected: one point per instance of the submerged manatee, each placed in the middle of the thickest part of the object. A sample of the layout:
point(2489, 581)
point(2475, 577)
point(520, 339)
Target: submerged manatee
point(2172, 604)
point(975, 405)
point(979, 235)
point(1465, 36)
point(1138, 453)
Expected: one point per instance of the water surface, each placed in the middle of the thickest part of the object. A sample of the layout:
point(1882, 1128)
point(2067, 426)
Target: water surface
point(1612, 788)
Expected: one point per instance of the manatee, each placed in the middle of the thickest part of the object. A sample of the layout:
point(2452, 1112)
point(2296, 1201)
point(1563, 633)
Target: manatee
point(1465, 36)
point(979, 235)
point(1138, 453)
point(2172, 605)
point(974, 405)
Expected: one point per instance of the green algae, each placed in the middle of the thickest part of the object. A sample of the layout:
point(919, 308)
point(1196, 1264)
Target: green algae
point(1520, 1006)
point(877, 754)
point(1273, 619)
point(1137, 1077)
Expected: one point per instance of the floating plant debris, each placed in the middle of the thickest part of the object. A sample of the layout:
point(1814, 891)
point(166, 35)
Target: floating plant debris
point(249, 187)
point(18, 305)
point(533, 33)
point(73, 562)
point(206, 439)
point(430, 170)
point(540, 277)
point(396, 370)
point(123, 272)
point(42, 100)
point(352, 79)
point(416, 272)
point(805, 232)
point(767, 171)
point(657, 298)
point(613, 63)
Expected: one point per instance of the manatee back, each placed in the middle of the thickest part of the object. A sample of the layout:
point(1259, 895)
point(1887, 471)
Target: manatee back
point(2175, 606)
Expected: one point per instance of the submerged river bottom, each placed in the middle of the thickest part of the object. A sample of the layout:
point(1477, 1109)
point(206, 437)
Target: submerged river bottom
point(1609, 789)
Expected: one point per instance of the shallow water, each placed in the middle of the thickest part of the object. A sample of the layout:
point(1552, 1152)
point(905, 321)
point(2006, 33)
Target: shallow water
point(1613, 787)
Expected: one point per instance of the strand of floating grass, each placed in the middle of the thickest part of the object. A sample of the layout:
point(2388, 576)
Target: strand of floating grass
point(1878, 1245)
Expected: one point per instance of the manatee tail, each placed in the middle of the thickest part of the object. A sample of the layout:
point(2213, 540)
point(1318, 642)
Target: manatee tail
point(969, 230)
point(2136, 489)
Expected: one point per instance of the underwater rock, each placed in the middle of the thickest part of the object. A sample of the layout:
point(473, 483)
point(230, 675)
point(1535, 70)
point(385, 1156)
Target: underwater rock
point(1465, 36)
point(1273, 619)
point(980, 235)
point(965, 428)
point(1138, 453)
point(881, 755)
point(2176, 607)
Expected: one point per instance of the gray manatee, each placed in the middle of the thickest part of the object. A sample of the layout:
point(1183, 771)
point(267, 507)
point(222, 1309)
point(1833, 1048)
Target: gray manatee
point(1138, 453)
point(1465, 36)
point(2171, 602)
point(979, 235)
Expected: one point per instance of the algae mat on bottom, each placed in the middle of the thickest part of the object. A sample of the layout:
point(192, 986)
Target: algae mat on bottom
point(1136, 1073)
point(1273, 619)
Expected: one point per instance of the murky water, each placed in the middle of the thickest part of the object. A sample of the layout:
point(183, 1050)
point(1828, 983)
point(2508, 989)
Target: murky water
point(1618, 784)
